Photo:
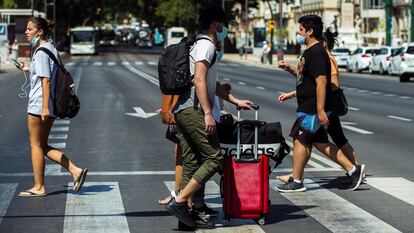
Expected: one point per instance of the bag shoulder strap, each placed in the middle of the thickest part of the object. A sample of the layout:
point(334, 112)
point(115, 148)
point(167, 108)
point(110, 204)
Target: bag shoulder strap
point(51, 55)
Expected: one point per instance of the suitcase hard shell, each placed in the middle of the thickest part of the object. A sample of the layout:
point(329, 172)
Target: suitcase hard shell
point(246, 186)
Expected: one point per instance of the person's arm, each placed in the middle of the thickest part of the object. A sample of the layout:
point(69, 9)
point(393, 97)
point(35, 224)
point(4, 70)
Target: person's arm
point(287, 96)
point(225, 94)
point(321, 82)
point(45, 97)
point(287, 67)
point(200, 85)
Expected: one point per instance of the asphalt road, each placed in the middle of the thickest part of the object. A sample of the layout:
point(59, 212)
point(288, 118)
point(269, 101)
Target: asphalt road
point(131, 163)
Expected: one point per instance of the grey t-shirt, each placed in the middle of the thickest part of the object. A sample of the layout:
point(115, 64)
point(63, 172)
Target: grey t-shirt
point(41, 66)
point(201, 50)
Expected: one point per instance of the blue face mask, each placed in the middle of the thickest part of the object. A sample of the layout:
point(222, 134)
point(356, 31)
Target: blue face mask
point(221, 35)
point(219, 55)
point(34, 41)
point(300, 39)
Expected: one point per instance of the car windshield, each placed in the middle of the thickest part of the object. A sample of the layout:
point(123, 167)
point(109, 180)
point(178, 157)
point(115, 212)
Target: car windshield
point(384, 51)
point(410, 50)
point(340, 50)
point(358, 51)
point(396, 51)
point(82, 36)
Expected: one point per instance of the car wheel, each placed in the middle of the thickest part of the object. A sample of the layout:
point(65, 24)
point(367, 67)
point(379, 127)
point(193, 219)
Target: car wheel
point(381, 70)
point(370, 70)
point(356, 68)
point(404, 78)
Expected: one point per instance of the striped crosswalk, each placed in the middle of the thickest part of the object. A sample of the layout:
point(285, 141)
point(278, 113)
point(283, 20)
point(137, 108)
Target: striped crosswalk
point(111, 63)
point(101, 205)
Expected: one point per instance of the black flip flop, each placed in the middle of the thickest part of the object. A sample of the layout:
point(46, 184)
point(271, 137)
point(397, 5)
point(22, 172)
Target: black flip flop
point(79, 182)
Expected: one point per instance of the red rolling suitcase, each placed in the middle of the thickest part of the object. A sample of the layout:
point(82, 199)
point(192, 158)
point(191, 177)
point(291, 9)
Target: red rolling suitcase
point(246, 183)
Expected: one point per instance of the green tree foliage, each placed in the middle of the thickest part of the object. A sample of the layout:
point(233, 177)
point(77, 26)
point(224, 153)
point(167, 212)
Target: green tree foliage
point(14, 4)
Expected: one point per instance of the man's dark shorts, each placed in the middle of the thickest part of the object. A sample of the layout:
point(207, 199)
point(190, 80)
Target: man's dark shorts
point(308, 129)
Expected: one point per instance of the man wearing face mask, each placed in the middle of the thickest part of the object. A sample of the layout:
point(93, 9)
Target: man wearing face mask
point(199, 141)
point(313, 92)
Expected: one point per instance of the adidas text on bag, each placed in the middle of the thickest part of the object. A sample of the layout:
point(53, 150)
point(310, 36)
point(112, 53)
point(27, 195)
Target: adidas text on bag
point(64, 99)
point(174, 67)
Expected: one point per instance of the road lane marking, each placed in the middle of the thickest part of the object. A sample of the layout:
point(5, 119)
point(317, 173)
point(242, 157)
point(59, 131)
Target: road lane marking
point(97, 63)
point(397, 187)
point(242, 83)
point(70, 64)
point(226, 79)
point(376, 93)
point(60, 129)
point(362, 91)
point(111, 63)
point(6, 195)
point(405, 97)
point(213, 200)
point(61, 122)
point(140, 63)
point(334, 212)
point(347, 125)
point(353, 108)
point(58, 136)
point(260, 88)
point(152, 63)
point(399, 118)
point(389, 95)
point(58, 145)
point(98, 207)
point(53, 170)
point(234, 64)
point(140, 73)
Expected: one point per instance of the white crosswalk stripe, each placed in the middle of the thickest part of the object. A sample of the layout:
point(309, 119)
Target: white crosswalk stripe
point(139, 63)
point(397, 187)
point(152, 63)
point(334, 212)
point(111, 63)
point(99, 208)
point(97, 63)
point(6, 195)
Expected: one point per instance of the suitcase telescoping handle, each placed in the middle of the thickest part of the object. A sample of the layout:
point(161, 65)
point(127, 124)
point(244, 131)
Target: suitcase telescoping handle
point(256, 133)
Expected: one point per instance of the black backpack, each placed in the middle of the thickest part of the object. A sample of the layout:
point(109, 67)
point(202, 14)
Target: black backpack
point(62, 91)
point(174, 67)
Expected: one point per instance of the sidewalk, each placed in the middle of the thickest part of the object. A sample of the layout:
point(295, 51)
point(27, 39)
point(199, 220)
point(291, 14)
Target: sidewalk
point(255, 60)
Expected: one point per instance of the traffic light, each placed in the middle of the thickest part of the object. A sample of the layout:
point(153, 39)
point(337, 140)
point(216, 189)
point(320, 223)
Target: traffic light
point(270, 25)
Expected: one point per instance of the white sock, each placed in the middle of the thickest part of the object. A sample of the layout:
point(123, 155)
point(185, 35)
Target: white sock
point(352, 171)
point(297, 181)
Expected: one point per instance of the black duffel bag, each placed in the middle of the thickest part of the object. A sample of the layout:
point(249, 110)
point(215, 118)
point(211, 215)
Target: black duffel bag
point(270, 139)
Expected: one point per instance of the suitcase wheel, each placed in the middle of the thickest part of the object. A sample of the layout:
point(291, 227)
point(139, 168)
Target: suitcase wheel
point(225, 221)
point(262, 220)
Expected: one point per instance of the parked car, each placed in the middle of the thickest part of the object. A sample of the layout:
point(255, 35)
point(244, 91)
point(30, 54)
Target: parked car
point(360, 59)
point(341, 56)
point(381, 60)
point(402, 63)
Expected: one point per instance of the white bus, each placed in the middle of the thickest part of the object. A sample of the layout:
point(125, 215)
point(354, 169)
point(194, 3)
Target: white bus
point(83, 40)
point(174, 35)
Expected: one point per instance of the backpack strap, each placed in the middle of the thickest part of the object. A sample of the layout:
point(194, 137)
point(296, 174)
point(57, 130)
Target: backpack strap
point(51, 55)
point(215, 54)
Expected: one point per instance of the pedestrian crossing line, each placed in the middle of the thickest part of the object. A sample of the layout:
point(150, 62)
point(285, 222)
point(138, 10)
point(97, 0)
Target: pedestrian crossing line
point(334, 212)
point(213, 200)
point(6, 195)
point(97, 63)
point(139, 63)
point(58, 136)
point(98, 207)
point(397, 187)
point(125, 63)
point(58, 145)
point(241, 83)
point(152, 63)
point(61, 122)
point(111, 63)
point(60, 129)
point(53, 170)
point(70, 64)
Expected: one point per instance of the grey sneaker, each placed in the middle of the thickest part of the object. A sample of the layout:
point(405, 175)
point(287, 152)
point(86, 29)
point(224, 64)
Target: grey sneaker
point(180, 210)
point(357, 176)
point(202, 221)
point(291, 187)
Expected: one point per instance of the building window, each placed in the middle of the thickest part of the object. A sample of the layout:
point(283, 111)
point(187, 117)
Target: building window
point(373, 4)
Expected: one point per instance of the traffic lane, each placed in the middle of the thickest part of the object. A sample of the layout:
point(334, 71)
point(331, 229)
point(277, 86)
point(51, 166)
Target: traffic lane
point(14, 136)
point(105, 138)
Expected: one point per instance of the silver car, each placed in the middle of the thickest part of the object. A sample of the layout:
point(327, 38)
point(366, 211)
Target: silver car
point(361, 59)
point(341, 56)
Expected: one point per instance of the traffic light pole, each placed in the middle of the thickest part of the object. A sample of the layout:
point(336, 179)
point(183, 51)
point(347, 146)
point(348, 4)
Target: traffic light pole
point(388, 22)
